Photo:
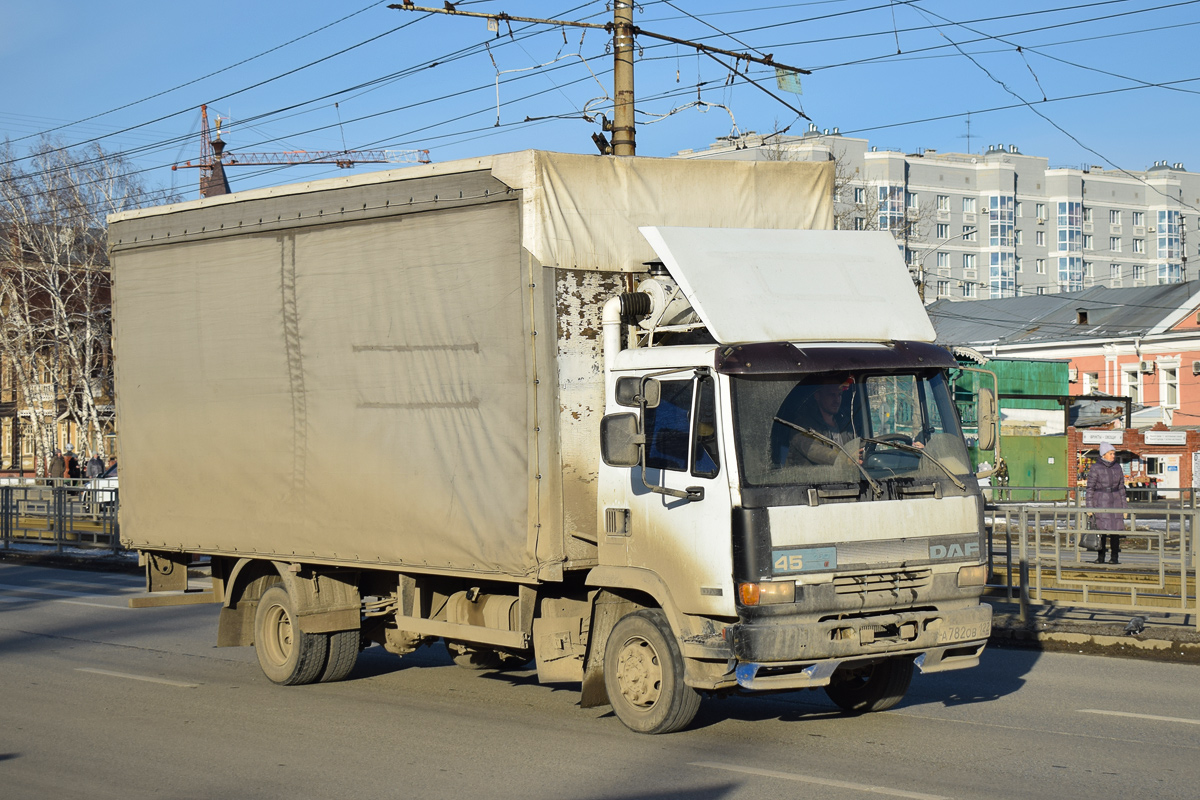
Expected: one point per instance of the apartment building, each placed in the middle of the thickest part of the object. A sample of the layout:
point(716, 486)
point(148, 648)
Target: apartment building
point(1002, 223)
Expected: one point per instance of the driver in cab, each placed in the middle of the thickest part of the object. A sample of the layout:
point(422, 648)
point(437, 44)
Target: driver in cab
point(827, 411)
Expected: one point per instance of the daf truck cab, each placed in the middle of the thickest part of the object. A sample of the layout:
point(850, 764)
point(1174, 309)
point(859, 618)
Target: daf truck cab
point(807, 504)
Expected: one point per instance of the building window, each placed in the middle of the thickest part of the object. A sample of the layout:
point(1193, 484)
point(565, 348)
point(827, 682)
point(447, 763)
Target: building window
point(1091, 382)
point(1002, 281)
point(968, 233)
point(860, 195)
point(1170, 379)
point(969, 205)
point(1020, 262)
point(1170, 273)
point(1139, 219)
point(910, 200)
point(943, 260)
point(943, 288)
point(1169, 225)
point(1087, 215)
point(1087, 241)
point(1139, 245)
point(1041, 290)
point(943, 202)
point(1114, 244)
point(1087, 270)
point(1114, 217)
point(891, 208)
point(1139, 272)
point(1020, 209)
point(943, 230)
point(1129, 383)
point(859, 224)
point(968, 261)
point(1114, 274)
point(1020, 238)
point(1000, 220)
point(1040, 239)
point(968, 289)
point(1070, 273)
point(1040, 266)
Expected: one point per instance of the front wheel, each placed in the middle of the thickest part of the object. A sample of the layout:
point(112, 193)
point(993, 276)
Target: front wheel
point(287, 655)
point(643, 673)
point(876, 687)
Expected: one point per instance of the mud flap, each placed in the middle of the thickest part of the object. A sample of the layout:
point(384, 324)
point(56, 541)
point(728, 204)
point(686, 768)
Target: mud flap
point(606, 612)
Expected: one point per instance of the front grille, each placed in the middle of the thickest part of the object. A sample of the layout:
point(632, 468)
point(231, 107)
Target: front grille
point(880, 583)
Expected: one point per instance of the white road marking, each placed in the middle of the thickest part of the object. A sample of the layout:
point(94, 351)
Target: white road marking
point(95, 605)
point(1139, 716)
point(138, 677)
point(791, 776)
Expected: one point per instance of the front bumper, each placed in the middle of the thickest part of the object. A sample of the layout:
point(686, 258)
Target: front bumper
point(781, 652)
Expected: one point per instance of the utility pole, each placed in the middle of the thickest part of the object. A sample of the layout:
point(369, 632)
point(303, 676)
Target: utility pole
point(624, 141)
point(623, 31)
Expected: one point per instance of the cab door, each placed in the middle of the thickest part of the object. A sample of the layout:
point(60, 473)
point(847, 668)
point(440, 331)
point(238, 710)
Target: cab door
point(684, 540)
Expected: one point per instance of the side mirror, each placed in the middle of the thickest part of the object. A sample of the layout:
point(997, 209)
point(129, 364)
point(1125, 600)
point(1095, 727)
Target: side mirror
point(620, 442)
point(988, 419)
point(630, 390)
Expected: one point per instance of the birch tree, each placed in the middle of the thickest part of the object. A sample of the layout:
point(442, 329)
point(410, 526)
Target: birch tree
point(55, 283)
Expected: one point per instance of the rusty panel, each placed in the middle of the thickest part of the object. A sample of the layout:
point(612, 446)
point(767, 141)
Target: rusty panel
point(579, 299)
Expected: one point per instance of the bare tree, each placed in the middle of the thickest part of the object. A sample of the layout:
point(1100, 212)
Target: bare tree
point(55, 283)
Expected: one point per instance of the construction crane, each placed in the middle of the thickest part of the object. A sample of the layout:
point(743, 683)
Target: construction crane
point(213, 158)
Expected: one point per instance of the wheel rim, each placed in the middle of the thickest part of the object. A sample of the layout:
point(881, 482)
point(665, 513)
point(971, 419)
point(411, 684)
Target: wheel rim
point(639, 673)
point(278, 629)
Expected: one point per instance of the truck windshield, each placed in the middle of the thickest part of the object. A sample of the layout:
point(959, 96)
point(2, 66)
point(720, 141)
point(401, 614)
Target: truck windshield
point(892, 425)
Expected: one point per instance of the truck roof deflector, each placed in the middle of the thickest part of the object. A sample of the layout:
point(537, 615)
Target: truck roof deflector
point(755, 285)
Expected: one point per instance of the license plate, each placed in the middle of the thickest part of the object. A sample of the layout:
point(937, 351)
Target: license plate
point(964, 633)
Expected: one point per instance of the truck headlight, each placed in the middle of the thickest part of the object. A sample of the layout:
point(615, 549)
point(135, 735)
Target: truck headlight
point(972, 576)
point(767, 593)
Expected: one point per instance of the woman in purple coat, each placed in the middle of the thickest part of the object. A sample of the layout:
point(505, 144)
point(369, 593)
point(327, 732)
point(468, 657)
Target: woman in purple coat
point(1106, 489)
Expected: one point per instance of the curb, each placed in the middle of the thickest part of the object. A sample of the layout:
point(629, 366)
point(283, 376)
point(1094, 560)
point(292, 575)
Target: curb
point(1155, 644)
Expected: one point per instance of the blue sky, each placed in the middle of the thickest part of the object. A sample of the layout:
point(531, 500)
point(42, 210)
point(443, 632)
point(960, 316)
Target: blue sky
point(133, 74)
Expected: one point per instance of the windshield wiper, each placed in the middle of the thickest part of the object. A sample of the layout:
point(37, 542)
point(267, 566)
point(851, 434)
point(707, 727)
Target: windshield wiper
point(909, 448)
point(875, 487)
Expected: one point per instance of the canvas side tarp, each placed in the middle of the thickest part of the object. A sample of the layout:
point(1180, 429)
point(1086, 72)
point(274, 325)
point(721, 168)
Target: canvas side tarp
point(303, 395)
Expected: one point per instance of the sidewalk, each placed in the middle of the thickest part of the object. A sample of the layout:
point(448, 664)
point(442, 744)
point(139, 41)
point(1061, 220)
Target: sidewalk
point(1066, 629)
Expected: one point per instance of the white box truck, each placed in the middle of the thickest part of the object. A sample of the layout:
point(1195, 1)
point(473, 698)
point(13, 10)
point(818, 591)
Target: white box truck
point(645, 422)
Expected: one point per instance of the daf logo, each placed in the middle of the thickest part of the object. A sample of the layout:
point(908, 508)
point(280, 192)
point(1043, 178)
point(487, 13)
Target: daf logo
point(966, 550)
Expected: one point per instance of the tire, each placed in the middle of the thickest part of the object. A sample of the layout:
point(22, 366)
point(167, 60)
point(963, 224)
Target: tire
point(876, 687)
point(287, 656)
point(343, 655)
point(643, 673)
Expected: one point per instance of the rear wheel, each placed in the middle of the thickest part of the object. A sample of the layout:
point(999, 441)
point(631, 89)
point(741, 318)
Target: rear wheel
point(643, 673)
point(287, 655)
point(875, 687)
point(343, 655)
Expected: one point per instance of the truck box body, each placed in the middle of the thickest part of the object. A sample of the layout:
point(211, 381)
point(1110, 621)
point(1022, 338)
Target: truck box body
point(401, 369)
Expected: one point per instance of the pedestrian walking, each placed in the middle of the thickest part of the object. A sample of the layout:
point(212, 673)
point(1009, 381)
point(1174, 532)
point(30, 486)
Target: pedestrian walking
point(1106, 489)
point(95, 466)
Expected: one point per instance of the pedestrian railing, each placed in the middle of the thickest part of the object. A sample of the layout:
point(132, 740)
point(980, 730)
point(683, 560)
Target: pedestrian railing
point(64, 512)
point(1036, 554)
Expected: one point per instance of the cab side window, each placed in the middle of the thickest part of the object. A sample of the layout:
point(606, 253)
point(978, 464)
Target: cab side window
point(667, 428)
point(706, 457)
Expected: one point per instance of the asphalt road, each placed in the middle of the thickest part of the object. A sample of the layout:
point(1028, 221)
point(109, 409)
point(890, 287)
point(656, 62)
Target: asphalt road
point(103, 701)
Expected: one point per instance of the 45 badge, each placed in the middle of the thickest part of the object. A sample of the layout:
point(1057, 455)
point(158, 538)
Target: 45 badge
point(803, 559)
